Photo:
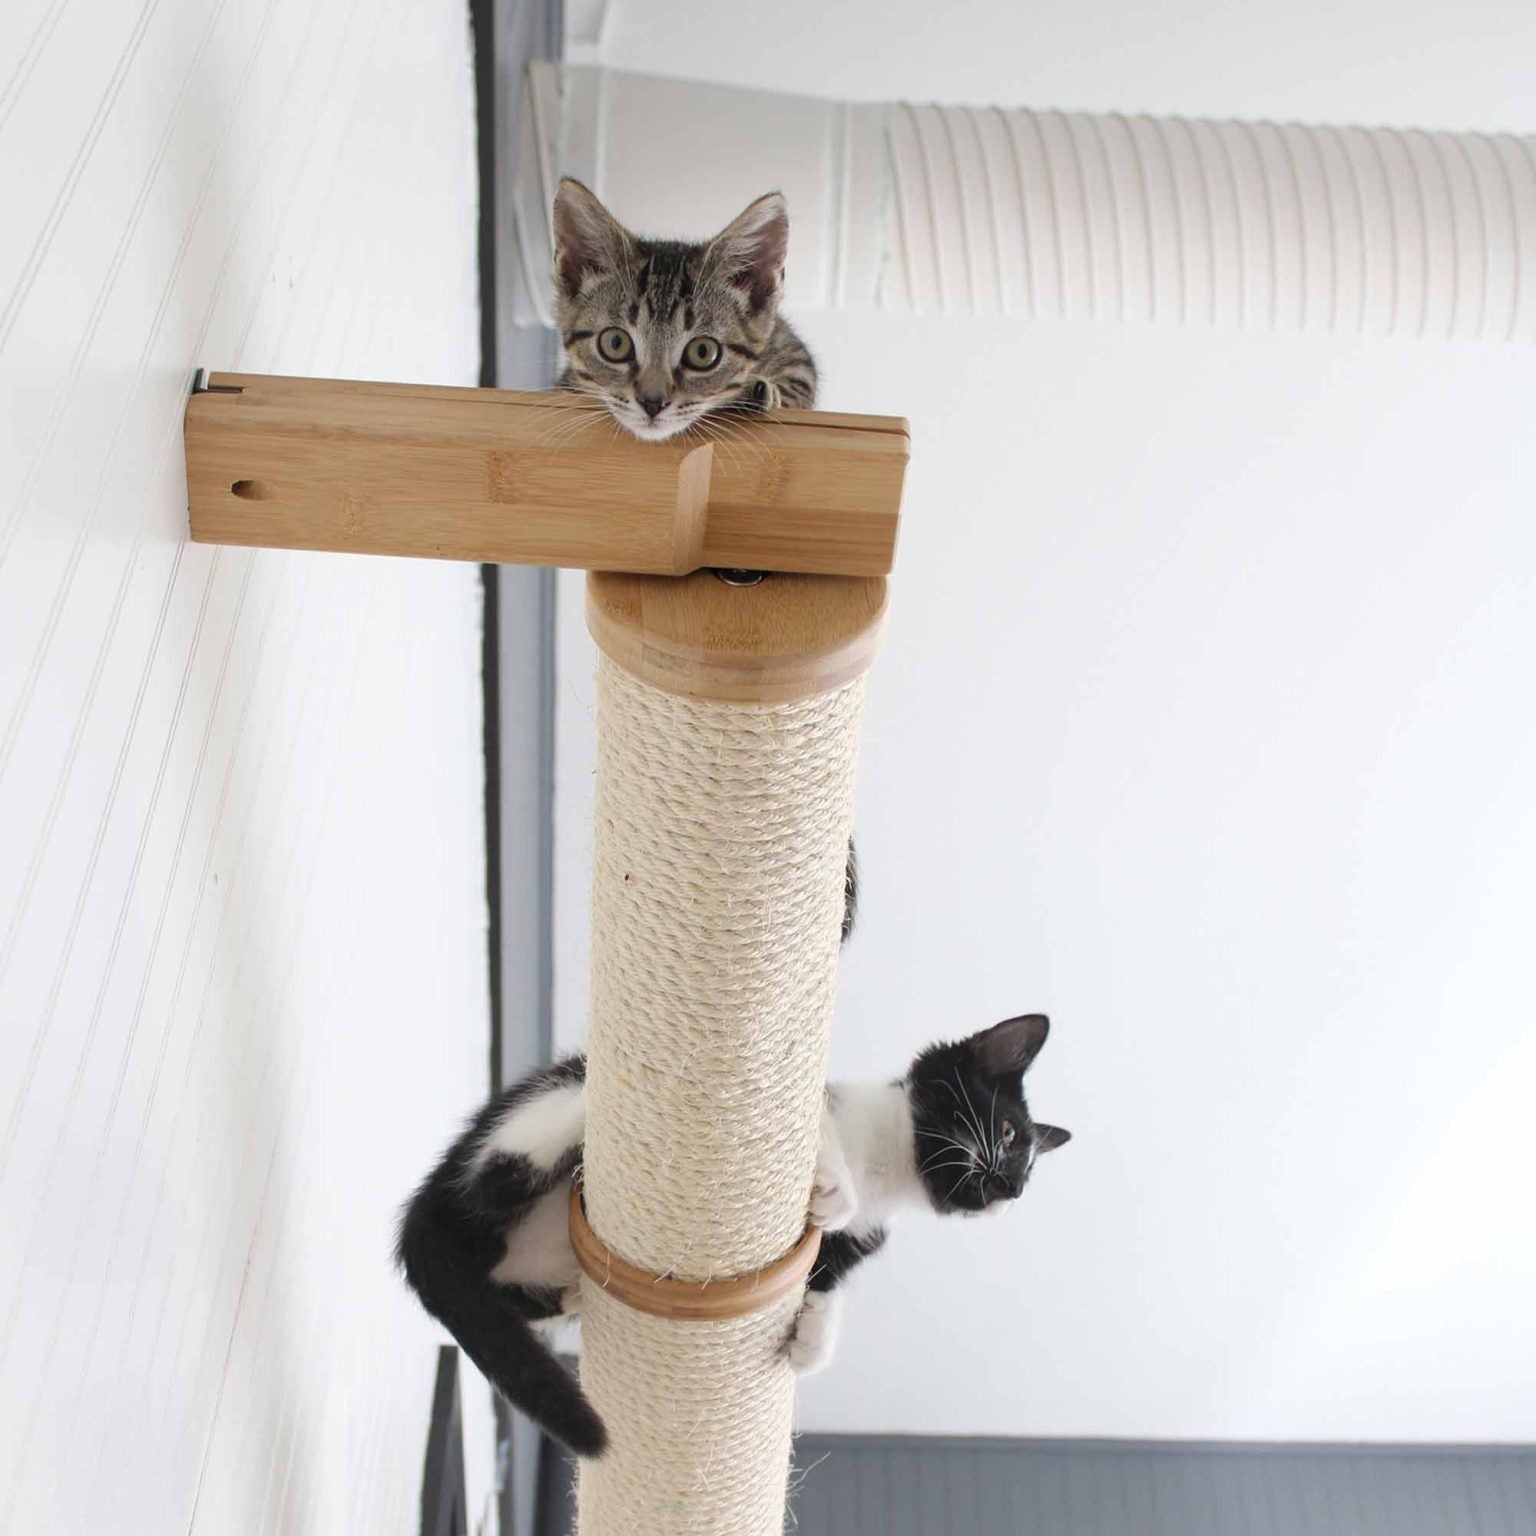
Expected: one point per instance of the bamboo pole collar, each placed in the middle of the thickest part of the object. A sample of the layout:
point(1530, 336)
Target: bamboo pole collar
point(707, 1301)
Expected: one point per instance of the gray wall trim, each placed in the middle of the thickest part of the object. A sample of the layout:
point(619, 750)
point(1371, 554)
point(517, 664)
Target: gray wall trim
point(915, 1485)
point(1161, 1447)
point(524, 606)
point(525, 359)
point(857, 1485)
point(526, 612)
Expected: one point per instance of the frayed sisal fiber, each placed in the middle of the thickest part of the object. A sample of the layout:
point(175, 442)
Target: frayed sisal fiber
point(721, 845)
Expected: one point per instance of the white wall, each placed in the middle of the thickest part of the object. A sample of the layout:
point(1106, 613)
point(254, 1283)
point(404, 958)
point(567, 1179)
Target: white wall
point(1199, 725)
point(242, 963)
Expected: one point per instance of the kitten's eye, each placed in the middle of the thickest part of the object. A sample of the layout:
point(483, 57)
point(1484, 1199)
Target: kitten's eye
point(701, 353)
point(1008, 1134)
point(615, 344)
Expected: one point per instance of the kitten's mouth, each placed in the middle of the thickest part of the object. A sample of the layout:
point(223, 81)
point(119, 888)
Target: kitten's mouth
point(974, 1198)
point(668, 423)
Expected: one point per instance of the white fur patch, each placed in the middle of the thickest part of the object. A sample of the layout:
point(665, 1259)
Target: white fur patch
point(542, 1129)
point(814, 1340)
point(872, 1125)
point(538, 1250)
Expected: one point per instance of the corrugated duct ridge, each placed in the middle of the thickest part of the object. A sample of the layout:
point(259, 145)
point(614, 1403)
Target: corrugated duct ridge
point(1265, 225)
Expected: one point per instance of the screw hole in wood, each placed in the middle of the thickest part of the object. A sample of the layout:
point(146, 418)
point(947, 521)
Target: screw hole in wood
point(253, 490)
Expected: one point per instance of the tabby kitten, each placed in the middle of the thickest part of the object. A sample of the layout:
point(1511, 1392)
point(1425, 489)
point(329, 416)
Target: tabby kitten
point(484, 1243)
point(666, 333)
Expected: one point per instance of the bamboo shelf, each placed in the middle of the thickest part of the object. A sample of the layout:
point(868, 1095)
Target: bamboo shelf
point(519, 478)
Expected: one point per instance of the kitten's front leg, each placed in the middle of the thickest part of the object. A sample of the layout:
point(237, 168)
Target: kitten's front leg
point(814, 1340)
point(834, 1199)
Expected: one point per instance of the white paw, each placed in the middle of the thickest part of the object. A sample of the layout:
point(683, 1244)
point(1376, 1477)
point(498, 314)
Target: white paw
point(833, 1204)
point(815, 1337)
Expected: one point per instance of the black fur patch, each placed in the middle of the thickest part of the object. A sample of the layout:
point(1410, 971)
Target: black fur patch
point(453, 1234)
point(840, 1253)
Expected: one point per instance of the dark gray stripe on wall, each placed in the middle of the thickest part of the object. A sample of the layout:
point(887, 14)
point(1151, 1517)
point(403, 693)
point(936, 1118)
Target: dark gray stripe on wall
point(867, 1485)
point(509, 34)
point(876, 1486)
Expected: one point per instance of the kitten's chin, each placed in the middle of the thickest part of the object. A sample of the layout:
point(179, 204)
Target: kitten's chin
point(638, 424)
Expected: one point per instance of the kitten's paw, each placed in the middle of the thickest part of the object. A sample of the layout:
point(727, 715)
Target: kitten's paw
point(811, 1345)
point(766, 395)
point(833, 1204)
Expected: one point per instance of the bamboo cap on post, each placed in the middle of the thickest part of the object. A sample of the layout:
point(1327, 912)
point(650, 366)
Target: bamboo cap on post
point(704, 637)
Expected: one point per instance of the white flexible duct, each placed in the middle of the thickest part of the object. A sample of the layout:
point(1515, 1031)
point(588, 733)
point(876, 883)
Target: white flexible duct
point(965, 210)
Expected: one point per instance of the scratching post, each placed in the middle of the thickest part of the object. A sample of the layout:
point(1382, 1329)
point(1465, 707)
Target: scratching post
point(728, 722)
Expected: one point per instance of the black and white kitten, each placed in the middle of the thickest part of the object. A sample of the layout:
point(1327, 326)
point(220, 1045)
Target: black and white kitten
point(484, 1244)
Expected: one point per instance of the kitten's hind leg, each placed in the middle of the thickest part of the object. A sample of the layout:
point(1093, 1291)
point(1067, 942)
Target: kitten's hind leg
point(814, 1340)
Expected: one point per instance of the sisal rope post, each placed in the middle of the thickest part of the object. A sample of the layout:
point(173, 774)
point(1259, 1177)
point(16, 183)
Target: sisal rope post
point(728, 724)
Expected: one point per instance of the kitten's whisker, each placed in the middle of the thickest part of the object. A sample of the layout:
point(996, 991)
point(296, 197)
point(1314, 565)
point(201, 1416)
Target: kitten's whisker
point(554, 431)
point(750, 416)
point(713, 415)
point(951, 1144)
point(723, 442)
point(950, 1194)
point(961, 1105)
point(701, 430)
point(572, 418)
point(974, 1120)
point(953, 1141)
point(744, 441)
point(566, 427)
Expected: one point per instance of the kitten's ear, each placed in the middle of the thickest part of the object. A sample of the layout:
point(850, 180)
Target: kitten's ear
point(1009, 1047)
point(1049, 1137)
point(588, 238)
point(750, 251)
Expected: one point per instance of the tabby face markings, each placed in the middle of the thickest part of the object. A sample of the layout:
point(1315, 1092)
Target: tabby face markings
point(656, 378)
point(665, 333)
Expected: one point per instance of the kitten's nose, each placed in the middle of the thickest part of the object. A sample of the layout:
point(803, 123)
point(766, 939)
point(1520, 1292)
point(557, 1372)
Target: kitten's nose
point(650, 404)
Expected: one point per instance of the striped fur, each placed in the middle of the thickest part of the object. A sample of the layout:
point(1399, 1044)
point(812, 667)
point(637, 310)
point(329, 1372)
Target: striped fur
point(663, 296)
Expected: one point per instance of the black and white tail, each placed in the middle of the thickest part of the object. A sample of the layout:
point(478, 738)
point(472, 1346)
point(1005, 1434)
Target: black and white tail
point(444, 1263)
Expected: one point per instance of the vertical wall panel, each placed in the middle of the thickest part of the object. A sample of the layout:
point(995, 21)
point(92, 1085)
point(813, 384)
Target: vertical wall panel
point(242, 928)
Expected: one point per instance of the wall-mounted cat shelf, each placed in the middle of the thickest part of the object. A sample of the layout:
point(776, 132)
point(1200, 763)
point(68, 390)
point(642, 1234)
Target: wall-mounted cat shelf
point(536, 479)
